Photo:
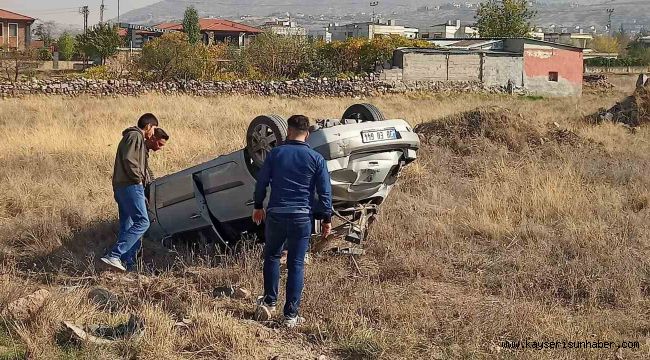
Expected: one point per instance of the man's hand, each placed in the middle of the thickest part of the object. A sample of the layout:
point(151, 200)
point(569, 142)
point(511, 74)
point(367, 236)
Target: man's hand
point(326, 229)
point(259, 215)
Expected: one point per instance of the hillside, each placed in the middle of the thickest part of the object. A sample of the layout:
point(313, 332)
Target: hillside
point(519, 220)
point(631, 13)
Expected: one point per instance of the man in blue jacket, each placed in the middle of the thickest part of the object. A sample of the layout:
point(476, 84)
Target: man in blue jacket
point(296, 174)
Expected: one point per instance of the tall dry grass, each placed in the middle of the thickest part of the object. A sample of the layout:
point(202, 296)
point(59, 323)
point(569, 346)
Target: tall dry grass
point(545, 242)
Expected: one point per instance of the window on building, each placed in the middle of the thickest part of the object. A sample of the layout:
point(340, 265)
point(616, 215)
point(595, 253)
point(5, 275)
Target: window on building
point(553, 76)
point(2, 29)
point(13, 30)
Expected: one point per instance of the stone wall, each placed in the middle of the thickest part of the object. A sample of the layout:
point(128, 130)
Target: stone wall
point(295, 88)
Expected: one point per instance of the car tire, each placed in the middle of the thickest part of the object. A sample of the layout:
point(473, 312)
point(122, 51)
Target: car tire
point(264, 133)
point(363, 112)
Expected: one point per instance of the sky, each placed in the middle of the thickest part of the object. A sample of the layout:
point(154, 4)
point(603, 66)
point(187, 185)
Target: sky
point(67, 11)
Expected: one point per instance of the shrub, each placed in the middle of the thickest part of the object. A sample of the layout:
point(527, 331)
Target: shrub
point(277, 57)
point(97, 73)
point(44, 54)
point(172, 57)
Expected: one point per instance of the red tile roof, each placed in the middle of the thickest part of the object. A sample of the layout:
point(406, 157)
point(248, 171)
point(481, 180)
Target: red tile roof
point(8, 15)
point(213, 25)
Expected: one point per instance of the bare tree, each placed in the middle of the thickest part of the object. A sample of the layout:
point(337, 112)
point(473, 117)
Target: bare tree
point(13, 63)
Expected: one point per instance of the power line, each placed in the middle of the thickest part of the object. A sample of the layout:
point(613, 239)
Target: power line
point(84, 11)
point(610, 12)
point(101, 13)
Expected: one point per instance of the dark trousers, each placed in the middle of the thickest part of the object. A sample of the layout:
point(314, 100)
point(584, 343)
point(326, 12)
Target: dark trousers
point(295, 230)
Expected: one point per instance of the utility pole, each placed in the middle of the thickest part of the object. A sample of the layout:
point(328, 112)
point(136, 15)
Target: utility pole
point(101, 13)
point(84, 11)
point(118, 12)
point(609, 20)
point(372, 6)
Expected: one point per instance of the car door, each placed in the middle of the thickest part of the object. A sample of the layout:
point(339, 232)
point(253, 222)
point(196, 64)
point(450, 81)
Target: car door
point(177, 207)
point(228, 189)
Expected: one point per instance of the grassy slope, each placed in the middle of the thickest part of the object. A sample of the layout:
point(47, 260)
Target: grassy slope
point(543, 242)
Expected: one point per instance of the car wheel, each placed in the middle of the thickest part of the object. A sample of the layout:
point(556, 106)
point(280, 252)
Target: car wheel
point(363, 112)
point(264, 133)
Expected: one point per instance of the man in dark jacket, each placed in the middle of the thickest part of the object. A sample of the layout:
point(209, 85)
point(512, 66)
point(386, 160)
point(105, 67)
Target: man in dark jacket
point(129, 177)
point(296, 174)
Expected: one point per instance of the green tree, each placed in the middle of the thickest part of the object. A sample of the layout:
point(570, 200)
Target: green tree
point(100, 42)
point(66, 45)
point(507, 18)
point(191, 25)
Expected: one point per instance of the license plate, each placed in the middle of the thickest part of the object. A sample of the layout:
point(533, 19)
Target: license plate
point(378, 135)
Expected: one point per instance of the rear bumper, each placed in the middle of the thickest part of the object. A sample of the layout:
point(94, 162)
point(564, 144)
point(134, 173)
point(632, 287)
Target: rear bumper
point(354, 145)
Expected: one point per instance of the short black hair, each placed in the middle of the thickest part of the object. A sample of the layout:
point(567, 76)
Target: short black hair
point(299, 122)
point(147, 119)
point(159, 133)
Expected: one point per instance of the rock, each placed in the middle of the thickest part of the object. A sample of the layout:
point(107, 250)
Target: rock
point(642, 80)
point(104, 299)
point(223, 291)
point(104, 334)
point(241, 293)
point(27, 306)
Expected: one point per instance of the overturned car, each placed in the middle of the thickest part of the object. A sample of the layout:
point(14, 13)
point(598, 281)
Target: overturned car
point(365, 153)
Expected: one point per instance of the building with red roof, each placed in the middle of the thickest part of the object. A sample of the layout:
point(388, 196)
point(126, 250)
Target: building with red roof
point(15, 30)
point(213, 31)
point(219, 31)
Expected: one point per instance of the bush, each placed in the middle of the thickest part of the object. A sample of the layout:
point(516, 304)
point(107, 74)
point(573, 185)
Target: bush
point(362, 55)
point(44, 54)
point(267, 57)
point(276, 57)
point(172, 57)
point(98, 73)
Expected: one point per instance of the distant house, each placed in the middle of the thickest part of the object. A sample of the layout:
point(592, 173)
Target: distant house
point(370, 30)
point(284, 28)
point(450, 30)
point(15, 30)
point(540, 67)
point(320, 35)
point(219, 31)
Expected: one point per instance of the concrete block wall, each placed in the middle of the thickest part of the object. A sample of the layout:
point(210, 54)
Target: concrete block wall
point(425, 67)
point(497, 70)
point(462, 67)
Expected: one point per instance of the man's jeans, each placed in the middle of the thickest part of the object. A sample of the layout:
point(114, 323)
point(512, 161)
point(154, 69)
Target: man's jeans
point(134, 222)
point(295, 229)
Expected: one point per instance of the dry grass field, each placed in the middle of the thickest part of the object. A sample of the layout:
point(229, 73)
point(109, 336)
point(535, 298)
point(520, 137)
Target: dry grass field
point(506, 228)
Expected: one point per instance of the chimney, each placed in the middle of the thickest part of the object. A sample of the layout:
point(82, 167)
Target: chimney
point(458, 24)
point(392, 22)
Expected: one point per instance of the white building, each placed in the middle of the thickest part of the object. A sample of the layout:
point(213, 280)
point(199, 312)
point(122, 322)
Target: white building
point(450, 30)
point(578, 39)
point(321, 35)
point(284, 28)
point(370, 30)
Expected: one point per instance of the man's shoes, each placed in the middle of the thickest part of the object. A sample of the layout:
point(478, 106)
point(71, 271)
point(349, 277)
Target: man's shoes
point(264, 311)
point(292, 322)
point(114, 262)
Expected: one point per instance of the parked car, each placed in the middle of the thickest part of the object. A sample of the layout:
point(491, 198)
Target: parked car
point(365, 153)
